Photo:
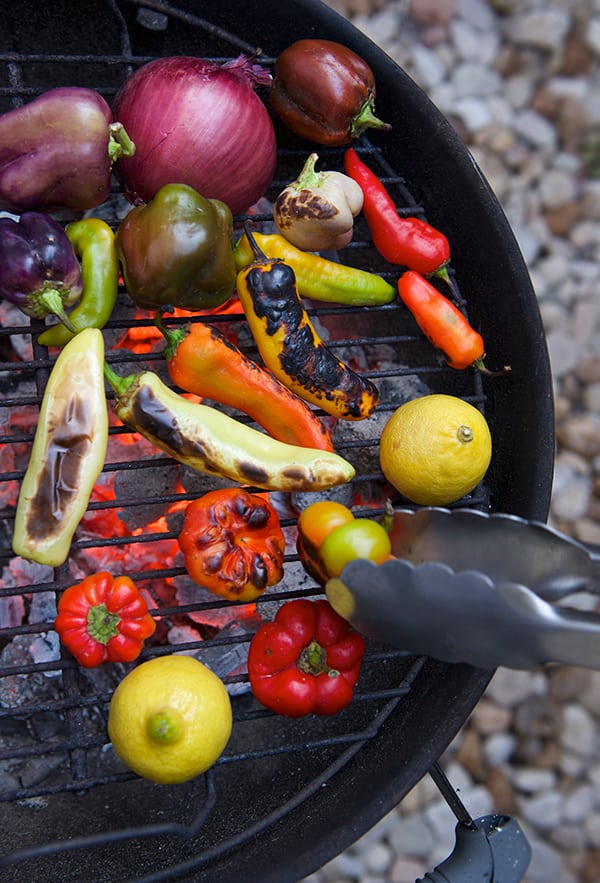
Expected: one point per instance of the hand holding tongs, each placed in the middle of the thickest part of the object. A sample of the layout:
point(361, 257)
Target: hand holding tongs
point(481, 589)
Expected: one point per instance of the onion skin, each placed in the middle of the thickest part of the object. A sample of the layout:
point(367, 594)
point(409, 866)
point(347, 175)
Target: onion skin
point(198, 123)
point(324, 92)
point(56, 152)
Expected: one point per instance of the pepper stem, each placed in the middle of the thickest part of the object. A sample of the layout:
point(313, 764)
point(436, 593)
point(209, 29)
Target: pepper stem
point(173, 336)
point(259, 256)
point(479, 365)
point(118, 383)
point(313, 660)
point(366, 119)
point(119, 142)
point(102, 625)
point(50, 302)
point(308, 177)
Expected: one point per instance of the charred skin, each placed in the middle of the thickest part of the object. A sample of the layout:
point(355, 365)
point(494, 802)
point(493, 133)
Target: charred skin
point(291, 348)
point(209, 441)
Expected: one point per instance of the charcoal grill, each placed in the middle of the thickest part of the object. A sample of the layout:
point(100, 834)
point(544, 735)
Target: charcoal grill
point(286, 796)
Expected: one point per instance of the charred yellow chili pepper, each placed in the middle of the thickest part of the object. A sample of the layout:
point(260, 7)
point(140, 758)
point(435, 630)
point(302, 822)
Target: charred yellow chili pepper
point(318, 278)
point(207, 440)
point(290, 346)
point(67, 455)
point(93, 242)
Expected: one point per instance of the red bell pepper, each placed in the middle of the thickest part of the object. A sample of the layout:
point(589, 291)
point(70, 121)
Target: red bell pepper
point(232, 543)
point(103, 619)
point(306, 661)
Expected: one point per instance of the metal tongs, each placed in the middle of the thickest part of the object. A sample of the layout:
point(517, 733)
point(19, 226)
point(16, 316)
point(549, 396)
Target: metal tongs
point(483, 589)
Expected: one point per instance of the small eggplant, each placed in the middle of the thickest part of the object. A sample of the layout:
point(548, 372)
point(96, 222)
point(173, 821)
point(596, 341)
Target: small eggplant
point(324, 92)
point(316, 211)
point(39, 271)
point(57, 151)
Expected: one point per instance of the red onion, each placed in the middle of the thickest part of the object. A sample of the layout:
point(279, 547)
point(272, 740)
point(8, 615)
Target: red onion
point(198, 123)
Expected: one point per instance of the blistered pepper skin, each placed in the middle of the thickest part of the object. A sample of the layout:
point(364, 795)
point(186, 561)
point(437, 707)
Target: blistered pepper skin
point(67, 455)
point(291, 348)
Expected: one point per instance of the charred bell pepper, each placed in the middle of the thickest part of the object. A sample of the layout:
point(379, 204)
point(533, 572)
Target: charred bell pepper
point(307, 661)
point(203, 361)
point(316, 277)
point(103, 619)
point(290, 346)
point(39, 271)
point(316, 211)
point(93, 242)
point(324, 92)
point(67, 455)
point(233, 544)
point(57, 151)
point(207, 440)
point(177, 250)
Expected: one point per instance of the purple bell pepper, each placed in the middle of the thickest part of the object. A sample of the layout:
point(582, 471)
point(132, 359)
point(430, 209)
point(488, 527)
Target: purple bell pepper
point(39, 271)
point(58, 150)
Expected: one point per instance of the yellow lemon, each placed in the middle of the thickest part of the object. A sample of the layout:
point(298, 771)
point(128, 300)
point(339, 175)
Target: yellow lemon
point(435, 449)
point(170, 719)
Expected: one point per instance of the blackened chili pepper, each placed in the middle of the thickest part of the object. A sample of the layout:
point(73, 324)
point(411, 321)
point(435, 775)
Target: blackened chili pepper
point(290, 346)
point(93, 241)
point(411, 242)
point(443, 324)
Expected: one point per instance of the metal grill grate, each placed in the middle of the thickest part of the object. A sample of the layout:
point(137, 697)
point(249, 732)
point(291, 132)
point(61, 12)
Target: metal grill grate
point(52, 714)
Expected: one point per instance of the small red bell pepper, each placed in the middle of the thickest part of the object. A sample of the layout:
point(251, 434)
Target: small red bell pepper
point(103, 619)
point(306, 661)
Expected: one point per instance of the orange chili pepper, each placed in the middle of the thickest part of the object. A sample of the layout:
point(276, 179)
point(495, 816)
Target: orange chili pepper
point(203, 361)
point(443, 323)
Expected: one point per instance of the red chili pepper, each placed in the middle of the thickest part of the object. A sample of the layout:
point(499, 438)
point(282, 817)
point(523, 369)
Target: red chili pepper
point(306, 661)
point(103, 619)
point(443, 323)
point(411, 242)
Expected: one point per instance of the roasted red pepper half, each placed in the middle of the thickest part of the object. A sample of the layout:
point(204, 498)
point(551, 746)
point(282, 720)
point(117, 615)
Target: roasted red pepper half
point(411, 242)
point(103, 619)
point(306, 661)
point(232, 543)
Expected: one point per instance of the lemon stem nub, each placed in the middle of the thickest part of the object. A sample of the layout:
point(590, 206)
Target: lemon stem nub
point(465, 434)
point(165, 726)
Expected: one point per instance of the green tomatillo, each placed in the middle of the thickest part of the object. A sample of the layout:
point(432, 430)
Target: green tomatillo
point(177, 251)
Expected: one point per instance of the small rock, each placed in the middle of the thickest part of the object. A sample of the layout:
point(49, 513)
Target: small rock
point(535, 129)
point(590, 869)
point(406, 871)
point(592, 32)
point(578, 732)
point(580, 803)
point(432, 12)
point(530, 781)
point(566, 683)
point(581, 434)
point(544, 30)
point(412, 836)
point(547, 864)
point(497, 749)
point(537, 716)
point(591, 826)
point(557, 188)
point(489, 717)
point(501, 790)
point(542, 811)
point(508, 688)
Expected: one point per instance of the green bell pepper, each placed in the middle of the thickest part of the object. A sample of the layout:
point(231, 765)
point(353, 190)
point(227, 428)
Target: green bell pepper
point(177, 250)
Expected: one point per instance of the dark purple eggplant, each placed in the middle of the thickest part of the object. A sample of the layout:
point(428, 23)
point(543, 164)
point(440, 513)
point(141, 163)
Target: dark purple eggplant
point(57, 151)
point(39, 271)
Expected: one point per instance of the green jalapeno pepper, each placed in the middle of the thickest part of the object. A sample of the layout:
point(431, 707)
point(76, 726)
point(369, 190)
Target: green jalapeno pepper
point(177, 251)
point(318, 278)
point(93, 242)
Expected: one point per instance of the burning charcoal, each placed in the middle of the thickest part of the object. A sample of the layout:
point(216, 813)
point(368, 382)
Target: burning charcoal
point(131, 485)
point(228, 661)
point(342, 494)
point(43, 607)
point(12, 611)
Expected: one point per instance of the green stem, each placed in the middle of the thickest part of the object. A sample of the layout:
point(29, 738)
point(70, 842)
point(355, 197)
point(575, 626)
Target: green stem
point(119, 142)
point(308, 178)
point(313, 660)
point(366, 119)
point(118, 383)
point(101, 624)
point(173, 336)
point(49, 302)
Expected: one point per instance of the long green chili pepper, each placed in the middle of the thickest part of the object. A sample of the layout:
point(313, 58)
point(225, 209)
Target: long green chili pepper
point(316, 277)
point(93, 242)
